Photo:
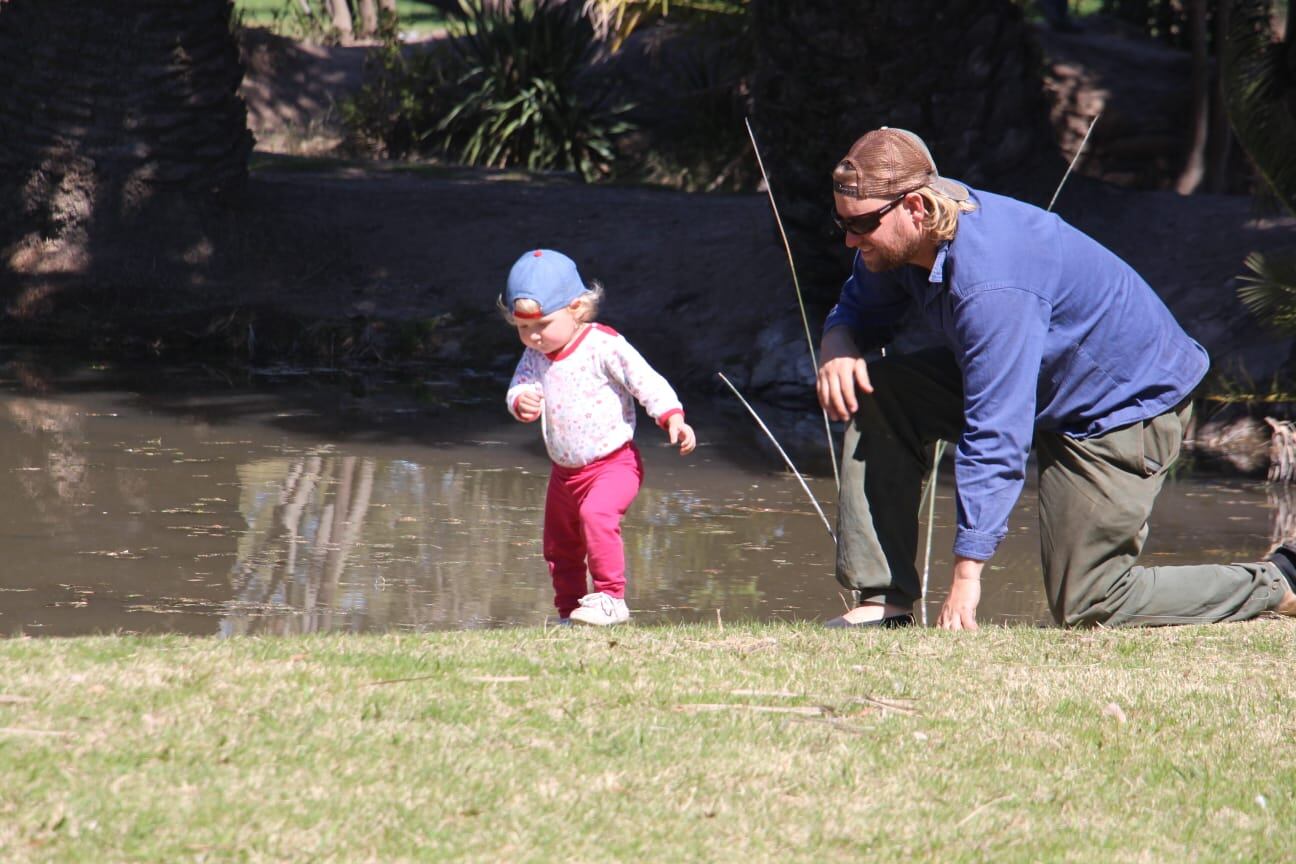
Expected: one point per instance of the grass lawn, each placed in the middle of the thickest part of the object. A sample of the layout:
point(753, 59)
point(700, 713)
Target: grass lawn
point(735, 743)
point(413, 16)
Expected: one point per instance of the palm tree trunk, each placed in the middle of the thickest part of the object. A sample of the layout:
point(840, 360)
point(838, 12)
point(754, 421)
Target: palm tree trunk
point(108, 104)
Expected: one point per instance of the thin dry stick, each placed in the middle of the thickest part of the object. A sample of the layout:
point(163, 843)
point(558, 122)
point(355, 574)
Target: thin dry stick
point(930, 495)
point(805, 322)
point(696, 707)
point(1074, 160)
point(888, 704)
point(969, 817)
point(778, 447)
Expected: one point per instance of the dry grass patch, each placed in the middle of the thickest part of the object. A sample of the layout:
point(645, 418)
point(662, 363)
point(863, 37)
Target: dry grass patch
point(691, 744)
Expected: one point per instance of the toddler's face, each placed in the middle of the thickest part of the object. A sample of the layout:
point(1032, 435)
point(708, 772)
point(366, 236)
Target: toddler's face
point(550, 333)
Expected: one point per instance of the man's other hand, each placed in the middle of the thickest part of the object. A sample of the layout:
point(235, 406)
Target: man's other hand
point(841, 371)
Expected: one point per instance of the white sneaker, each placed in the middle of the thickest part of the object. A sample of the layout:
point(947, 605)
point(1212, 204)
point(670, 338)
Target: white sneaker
point(600, 610)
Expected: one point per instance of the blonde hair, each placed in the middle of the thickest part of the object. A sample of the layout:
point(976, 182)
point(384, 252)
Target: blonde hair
point(586, 305)
point(942, 222)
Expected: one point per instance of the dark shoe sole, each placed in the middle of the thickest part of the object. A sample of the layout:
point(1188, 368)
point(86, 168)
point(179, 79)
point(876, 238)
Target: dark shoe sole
point(1285, 557)
point(889, 623)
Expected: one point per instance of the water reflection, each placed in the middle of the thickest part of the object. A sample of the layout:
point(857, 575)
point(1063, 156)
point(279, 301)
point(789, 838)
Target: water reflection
point(340, 542)
point(133, 512)
point(1283, 501)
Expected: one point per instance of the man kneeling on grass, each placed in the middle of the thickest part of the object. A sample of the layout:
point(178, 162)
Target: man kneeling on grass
point(1050, 337)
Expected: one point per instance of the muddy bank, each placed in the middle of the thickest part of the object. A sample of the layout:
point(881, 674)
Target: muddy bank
point(367, 266)
point(370, 267)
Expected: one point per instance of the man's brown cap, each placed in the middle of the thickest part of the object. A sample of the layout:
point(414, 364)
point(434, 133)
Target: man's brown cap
point(887, 163)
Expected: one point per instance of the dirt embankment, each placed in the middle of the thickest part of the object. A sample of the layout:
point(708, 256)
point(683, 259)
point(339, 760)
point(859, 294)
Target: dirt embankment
point(375, 261)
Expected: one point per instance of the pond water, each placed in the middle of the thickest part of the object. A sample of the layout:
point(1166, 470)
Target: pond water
point(178, 501)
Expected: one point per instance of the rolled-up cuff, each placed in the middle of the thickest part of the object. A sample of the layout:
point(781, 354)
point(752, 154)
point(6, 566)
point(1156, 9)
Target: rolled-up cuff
point(975, 545)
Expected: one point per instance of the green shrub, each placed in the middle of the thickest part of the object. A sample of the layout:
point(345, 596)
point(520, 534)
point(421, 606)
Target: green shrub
point(1255, 72)
point(696, 97)
point(515, 95)
point(393, 113)
point(505, 90)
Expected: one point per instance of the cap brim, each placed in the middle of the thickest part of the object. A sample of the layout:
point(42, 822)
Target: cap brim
point(949, 189)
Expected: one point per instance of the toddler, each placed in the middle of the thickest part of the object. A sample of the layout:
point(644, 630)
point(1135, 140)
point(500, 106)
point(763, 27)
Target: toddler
point(580, 380)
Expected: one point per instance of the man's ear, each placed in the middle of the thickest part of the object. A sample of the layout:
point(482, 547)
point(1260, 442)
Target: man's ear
point(916, 208)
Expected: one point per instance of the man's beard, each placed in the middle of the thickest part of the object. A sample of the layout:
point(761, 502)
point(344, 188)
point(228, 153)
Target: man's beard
point(886, 258)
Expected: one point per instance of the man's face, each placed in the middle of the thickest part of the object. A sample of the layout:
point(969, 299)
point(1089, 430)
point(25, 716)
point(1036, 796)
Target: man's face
point(896, 240)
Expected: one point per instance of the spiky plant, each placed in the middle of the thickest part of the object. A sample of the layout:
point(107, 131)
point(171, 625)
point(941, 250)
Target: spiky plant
point(1259, 75)
point(515, 94)
point(1269, 293)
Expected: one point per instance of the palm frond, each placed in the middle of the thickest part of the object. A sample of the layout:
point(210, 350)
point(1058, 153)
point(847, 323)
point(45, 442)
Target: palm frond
point(1270, 292)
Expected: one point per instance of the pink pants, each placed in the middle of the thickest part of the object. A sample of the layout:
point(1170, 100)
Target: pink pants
point(582, 520)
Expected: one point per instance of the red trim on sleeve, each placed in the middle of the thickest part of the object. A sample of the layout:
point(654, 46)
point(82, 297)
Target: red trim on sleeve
point(664, 419)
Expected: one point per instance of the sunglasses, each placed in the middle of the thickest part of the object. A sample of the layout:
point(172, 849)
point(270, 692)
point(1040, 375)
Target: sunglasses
point(865, 223)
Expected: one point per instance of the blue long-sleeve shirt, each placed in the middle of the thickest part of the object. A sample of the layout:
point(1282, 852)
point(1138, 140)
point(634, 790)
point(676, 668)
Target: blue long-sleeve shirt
point(1051, 330)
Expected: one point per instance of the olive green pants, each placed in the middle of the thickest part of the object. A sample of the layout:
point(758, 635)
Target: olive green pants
point(1095, 497)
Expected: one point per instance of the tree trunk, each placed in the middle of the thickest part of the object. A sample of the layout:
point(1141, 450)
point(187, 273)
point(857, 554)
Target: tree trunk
point(368, 17)
point(1190, 178)
point(111, 107)
point(340, 16)
point(1289, 54)
point(1220, 140)
point(964, 74)
point(140, 96)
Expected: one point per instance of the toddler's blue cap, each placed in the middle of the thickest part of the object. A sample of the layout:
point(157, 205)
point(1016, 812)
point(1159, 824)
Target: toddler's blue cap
point(545, 276)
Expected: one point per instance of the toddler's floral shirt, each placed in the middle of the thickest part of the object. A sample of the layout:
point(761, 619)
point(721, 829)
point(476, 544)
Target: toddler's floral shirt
point(589, 390)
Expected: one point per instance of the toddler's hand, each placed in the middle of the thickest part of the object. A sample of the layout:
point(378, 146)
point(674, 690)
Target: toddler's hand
point(681, 433)
point(528, 406)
